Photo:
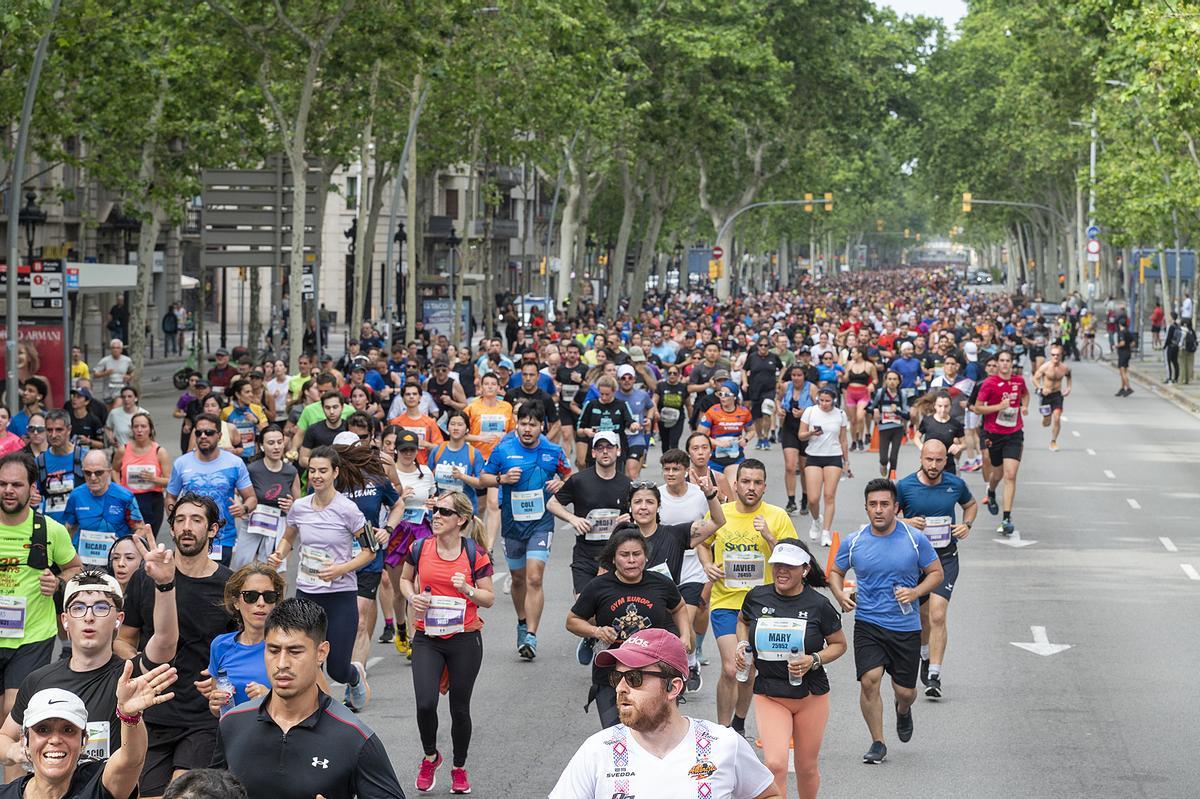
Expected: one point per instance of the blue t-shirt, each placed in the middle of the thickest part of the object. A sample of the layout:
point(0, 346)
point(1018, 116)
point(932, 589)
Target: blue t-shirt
point(943, 499)
point(523, 504)
point(881, 562)
point(639, 403)
point(19, 424)
point(470, 460)
point(909, 370)
point(374, 500)
point(246, 422)
point(116, 511)
point(219, 479)
point(545, 382)
point(242, 664)
point(664, 353)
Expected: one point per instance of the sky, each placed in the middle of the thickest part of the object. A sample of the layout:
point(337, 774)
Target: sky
point(949, 10)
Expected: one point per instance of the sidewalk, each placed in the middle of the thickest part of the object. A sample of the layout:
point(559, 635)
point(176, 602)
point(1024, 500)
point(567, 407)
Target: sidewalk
point(1149, 373)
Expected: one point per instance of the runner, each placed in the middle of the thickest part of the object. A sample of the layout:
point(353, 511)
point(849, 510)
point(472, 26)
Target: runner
point(145, 469)
point(247, 415)
point(762, 374)
point(117, 424)
point(656, 751)
point(1125, 345)
point(729, 425)
point(672, 408)
point(236, 658)
point(100, 512)
point(525, 469)
point(1003, 399)
point(570, 377)
point(456, 465)
point(276, 484)
point(321, 433)
point(59, 468)
point(735, 559)
point(605, 413)
point(890, 407)
point(887, 558)
point(792, 398)
point(861, 379)
point(826, 429)
point(491, 419)
point(417, 488)
point(429, 436)
point(794, 632)
point(928, 501)
point(941, 426)
point(642, 408)
point(1048, 380)
point(528, 389)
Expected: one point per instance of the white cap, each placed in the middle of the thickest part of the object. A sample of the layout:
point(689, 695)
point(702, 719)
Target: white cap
point(625, 369)
point(606, 435)
point(55, 703)
point(789, 553)
point(971, 350)
point(346, 438)
point(73, 587)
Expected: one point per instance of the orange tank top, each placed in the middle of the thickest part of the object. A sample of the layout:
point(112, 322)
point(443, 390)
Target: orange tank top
point(136, 468)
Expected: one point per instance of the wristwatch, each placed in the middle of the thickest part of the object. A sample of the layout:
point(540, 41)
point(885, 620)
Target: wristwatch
point(968, 524)
point(165, 587)
point(816, 664)
point(711, 497)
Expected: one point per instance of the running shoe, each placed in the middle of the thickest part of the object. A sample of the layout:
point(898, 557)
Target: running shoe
point(694, 681)
point(459, 783)
point(585, 650)
point(403, 646)
point(826, 538)
point(791, 507)
point(803, 505)
point(1007, 527)
point(924, 671)
point(772, 439)
point(389, 632)
point(528, 650)
point(506, 584)
point(359, 695)
point(814, 530)
point(933, 688)
point(992, 506)
point(427, 774)
point(904, 725)
point(1054, 446)
point(875, 754)
point(522, 631)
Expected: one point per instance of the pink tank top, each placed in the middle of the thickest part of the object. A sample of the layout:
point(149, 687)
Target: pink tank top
point(136, 468)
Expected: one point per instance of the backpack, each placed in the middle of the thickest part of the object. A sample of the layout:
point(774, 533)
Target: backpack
point(472, 551)
point(39, 558)
point(1189, 340)
point(76, 467)
point(170, 323)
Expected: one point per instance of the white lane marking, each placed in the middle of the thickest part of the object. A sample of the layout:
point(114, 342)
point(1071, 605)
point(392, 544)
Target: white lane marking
point(1133, 503)
point(1064, 418)
point(1075, 433)
point(372, 661)
point(1091, 451)
point(1168, 544)
point(1190, 571)
point(1041, 643)
point(1109, 474)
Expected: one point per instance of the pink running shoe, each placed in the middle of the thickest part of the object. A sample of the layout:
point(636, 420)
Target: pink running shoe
point(427, 775)
point(458, 781)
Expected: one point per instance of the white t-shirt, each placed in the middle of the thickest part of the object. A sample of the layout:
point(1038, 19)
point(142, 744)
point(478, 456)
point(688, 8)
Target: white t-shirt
point(612, 763)
point(424, 486)
point(828, 443)
point(119, 421)
point(115, 381)
point(278, 391)
point(684, 510)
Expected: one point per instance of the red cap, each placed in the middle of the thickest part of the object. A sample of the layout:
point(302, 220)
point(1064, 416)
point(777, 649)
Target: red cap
point(645, 648)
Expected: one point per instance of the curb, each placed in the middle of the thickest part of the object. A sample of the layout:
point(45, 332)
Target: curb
point(1169, 393)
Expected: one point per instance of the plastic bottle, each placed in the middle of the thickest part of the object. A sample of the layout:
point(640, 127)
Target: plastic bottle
point(905, 607)
point(225, 685)
point(744, 674)
point(428, 594)
point(793, 659)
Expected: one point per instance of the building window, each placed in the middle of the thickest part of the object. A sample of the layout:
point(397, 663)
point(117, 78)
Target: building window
point(351, 193)
point(452, 203)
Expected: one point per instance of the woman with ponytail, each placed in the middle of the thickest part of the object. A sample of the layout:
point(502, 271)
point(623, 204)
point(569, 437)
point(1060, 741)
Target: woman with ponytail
point(792, 632)
point(446, 579)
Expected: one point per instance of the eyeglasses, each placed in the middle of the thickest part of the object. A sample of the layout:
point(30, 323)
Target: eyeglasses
point(639, 485)
point(634, 677)
point(205, 432)
point(35, 428)
point(440, 511)
point(252, 597)
point(95, 472)
point(78, 610)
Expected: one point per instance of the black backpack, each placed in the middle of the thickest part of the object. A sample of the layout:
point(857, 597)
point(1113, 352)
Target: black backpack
point(39, 558)
point(76, 468)
point(170, 323)
point(1189, 340)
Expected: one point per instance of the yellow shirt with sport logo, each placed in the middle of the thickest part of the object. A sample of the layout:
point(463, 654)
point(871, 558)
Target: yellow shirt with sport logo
point(20, 593)
point(739, 539)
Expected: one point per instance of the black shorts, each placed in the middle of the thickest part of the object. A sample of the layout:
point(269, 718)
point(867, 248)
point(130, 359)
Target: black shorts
point(172, 749)
point(1123, 358)
point(17, 663)
point(823, 461)
point(756, 407)
point(1054, 399)
point(637, 452)
point(790, 439)
point(949, 575)
point(691, 593)
point(368, 584)
point(582, 573)
point(898, 652)
point(567, 417)
point(1005, 447)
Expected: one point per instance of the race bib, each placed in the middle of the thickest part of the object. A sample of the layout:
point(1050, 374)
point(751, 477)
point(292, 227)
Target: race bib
point(137, 476)
point(661, 569)
point(312, 561)
point(446, 615)
point(444, 475)
point(98, 737)
point(937, 530)
point(744, 569)
point(528, 506)
point(491, 423)
point(1007, 417)
point(12, 617)
point(265, 520)
point(215, 551)
point(1044, 409)
point(94, 546)
point(58, 490)
point(419, 432)
point(604, 521)
point(568, 391)
point(774, 638)
point(414, 515)
point(726, 447)
point(669, 416)
point(890, 415)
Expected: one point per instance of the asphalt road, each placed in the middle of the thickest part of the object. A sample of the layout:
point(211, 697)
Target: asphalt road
point(1114, 715)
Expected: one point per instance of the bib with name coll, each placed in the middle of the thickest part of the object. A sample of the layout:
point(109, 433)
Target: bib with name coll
point(528, 506)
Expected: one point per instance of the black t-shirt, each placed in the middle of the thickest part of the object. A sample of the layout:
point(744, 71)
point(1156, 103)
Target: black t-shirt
point(614, 416)
point(270, 486)
point(439, 392)
point(761, 373)
point(781, 631)
point(98, 690)
point(320, 434)
point(466, 377)
point(202, 617)
point(86, 783)
point(666, 548)
point(570, 381)
point(628, 608)
point(944, 432)
point(549, 407)
point(89, 426)
point(672, 395)
point(587, 491)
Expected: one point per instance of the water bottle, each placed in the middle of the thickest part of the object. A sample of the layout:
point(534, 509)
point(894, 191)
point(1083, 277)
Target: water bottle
point(225, 685)
point(793, 659)
point(428, 594)
point(744, 674)
point(905, 607)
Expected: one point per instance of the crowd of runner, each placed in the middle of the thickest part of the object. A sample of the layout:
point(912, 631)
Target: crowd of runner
point(394, 484)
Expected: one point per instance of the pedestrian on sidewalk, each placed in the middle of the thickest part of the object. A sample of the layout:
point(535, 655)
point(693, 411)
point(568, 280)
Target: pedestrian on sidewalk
point(1187, 357)
point(1172, 344)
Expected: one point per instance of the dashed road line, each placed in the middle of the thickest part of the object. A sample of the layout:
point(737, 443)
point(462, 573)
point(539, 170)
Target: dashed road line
point(1190, 571)
point(1091, 451)
point(1133, 503)
point(1109, 474)
point(1168, 544)
point(1075, 433)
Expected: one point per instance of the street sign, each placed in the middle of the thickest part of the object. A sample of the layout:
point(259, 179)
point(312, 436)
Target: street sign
point(46, 284)
point(72, 277)
point(1093, 247)
point(718, 252)
point(1093, 231)
point(1093, 257)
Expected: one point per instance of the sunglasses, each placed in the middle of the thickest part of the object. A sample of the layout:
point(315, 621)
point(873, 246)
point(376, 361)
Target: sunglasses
point(641, 484)
point(95, 472)
point(252, 597)
point(35, 428)
point(635, 677)
point(205, 432)
point(447, 512)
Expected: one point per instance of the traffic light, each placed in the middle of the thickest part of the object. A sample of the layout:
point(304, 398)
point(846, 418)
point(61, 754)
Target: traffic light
point(878, 225)
point(829, 201)
point(808, 202)
point(966, 202)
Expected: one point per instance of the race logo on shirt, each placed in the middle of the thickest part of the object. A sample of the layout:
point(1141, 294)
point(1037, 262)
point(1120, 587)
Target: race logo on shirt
point(702, 770)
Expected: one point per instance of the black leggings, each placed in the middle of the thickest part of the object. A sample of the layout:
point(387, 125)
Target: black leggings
point(341, 609)
point(890, 439)
point(150, 503)
point(671, 435)
point(462, 655)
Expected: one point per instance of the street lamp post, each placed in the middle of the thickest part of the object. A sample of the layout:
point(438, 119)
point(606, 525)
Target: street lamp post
point(678, 263)
point(606, 276)
point(390, 298)
point(31, 218)
point(589, 245)
point(452, 241)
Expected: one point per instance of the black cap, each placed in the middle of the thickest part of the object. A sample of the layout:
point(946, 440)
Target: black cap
point(407, 440)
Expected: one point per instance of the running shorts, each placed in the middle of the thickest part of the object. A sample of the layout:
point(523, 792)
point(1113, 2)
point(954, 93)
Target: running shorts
point(824, 460)
point(692, 593)
point(1005, 447)
point(368, 584)
point(949, 576)
point(899, 653)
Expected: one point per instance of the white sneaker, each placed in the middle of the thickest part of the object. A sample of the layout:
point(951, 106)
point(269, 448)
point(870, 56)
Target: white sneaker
point(826, 538)
point(814, 531)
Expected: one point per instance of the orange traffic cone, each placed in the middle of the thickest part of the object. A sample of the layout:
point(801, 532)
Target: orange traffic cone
point(833, 548)
point(875, 440)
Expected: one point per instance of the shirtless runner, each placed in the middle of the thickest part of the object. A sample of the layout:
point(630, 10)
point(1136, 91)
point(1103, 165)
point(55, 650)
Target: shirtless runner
point(1048, 380)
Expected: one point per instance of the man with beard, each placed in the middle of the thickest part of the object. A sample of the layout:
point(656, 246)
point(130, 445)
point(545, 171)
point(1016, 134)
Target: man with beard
point(183, 732)
point(295, 742)
point(656, 750)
